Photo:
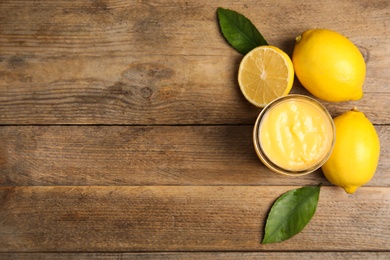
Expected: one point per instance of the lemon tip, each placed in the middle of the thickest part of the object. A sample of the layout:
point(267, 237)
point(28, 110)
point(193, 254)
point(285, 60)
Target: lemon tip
point(298, 38)
point(350, 189)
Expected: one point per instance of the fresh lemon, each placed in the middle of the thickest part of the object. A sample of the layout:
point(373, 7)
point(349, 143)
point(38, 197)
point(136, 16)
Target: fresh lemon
point(329, 65)
point(265, 73)
point(355, 155)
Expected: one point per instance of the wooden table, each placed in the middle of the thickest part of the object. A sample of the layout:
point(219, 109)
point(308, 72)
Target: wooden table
point(124, 133)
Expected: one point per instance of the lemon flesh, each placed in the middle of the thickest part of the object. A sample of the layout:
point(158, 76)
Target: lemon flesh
point(329, 65)
point(355, 155)
point(265, 73)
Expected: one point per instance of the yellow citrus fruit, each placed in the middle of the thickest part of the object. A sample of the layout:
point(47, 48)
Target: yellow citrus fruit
point(355, 155)
point(265, 73)
point(329, 65)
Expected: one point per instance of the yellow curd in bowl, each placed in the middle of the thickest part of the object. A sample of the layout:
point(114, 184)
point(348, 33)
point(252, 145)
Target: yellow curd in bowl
point(294, 135)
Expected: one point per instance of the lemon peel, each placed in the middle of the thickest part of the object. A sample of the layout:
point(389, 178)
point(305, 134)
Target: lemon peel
point(355, 155)
point(329, 65)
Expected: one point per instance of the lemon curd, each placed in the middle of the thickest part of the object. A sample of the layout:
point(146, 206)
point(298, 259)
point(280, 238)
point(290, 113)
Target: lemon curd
point(294, 135)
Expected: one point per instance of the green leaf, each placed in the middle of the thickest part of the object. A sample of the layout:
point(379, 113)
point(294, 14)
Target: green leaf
point(290, 214)
point(239, 31)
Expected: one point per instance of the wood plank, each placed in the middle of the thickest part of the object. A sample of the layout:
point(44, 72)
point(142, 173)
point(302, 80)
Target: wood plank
point(146, 155)
point(165, 27)
point(192, 218)
point(201, 255)
point(121, 62)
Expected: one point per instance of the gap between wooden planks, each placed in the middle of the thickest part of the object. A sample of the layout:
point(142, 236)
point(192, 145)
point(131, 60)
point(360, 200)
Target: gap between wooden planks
point(202, 255)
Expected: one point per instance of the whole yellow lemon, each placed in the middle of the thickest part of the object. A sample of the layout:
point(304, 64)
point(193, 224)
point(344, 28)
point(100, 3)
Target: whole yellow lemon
point(329, 65)
point(355, 155)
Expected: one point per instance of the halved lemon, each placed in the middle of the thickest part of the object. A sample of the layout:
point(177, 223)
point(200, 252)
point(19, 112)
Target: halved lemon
point(265, 73)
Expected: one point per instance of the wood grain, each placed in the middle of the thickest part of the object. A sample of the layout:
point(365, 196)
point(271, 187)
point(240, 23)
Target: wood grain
point(123, 133)
point(201, 255)
point(123, 62)
point(192, 218)
point(140, 155)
